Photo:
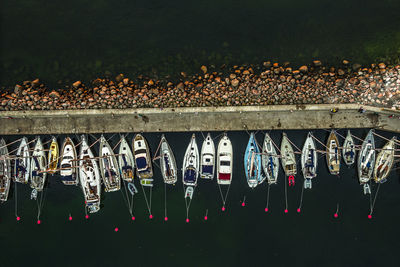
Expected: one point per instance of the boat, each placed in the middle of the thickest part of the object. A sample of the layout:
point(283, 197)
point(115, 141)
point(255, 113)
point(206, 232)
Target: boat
point(53, 156)
point(309, 161)
point(167, 162)
point(384, 161)
point(349, 151)
point(333, 154)
point(190, 170)
point(89, 176)
point(288, 157)
point(252, 163)
point(143, 165)
point(126, 161)
point(5, 171)
point(22, 162)
point(38, 167)
point(68, 163)
point(270, 160)
point(109, 169)
point(224, 161)
point(207, 165)
point(132, 188)
point(366, 161)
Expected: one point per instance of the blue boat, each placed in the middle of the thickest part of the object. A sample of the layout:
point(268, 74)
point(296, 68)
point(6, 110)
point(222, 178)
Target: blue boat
point(252, 163)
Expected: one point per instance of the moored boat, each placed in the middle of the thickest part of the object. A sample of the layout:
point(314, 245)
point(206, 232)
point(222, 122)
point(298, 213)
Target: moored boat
point(207, 161)
point(309, 161)
point(349, 151)
point(190, 170)
point(5, 171)
point(384, 161)
point(109, 169)
point(224, 161)
point(126, 161)
point(22, 162)
point(53, 156)
point(167, 162)
point(68, 163)
point(38, 166)
point(143, 164)
point(252, 163)
point(366, 161)
point(333, 153)
point(288, 157)
point(89, 177)
point(270, 160)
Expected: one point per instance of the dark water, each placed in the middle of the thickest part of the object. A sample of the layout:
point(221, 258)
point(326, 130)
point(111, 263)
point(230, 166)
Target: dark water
point(240, 236)
point(79, 40)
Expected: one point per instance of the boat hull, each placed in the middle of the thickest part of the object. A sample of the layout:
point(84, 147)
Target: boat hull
point(109, 169)
point(366, 159)
point(270, 160)
point(68, 163)
point(252, 163)
point(5, 171)
point(38, 167)
point(288, 157)
point(384, 161)
point(191, 162)
point(333, 154)
point(167, 163)
point(224, 161)
point(207, 165)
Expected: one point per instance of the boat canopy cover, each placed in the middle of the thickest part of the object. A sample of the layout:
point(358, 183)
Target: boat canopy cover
point(224, 176)
point(190, 175)
point(207, 169)
point(141, 163)
point(67, 178)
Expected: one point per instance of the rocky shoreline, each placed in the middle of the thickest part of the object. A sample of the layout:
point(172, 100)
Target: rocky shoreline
point(269, 84)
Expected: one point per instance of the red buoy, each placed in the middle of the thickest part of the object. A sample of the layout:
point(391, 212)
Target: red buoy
point(86, 216)
point(243, 204)
point(187, 220)
point(205, 218)
point(298, 210)
point(266, 209)
point(133, 218)
point(39, 222)
point(70, 218)
point(223, 208)
point(116, 229)
point(335, 215)
point(166, 218)
point(18, 218)
point(151, 216)
point(286, 211)
point(369, 216)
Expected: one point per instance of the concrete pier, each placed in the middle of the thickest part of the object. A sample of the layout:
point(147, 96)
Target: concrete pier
point(197, 119)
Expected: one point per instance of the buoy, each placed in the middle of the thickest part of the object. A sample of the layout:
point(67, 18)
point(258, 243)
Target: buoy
point(116, 229)
point(166, 218)
point(298, 210)
point(70, 218)
point(39, 222)
point(243, 204)
point(86, 216)
point(133, 218)
point(223, 208)
point(18, 218)
point(151, 216)
point(335, 215)
point(187, 220)
point(205, 218)
point(266, 209)
point(286, 211)
point(369, 216)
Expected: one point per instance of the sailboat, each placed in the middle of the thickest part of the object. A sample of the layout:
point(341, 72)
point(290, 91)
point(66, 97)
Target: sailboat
point(384, 161)
point(309, 161)
point(207, 166)
point(53, 156)
point(288, 159)
point(126, 161)
point(68, 163)
point(5, 171)
point(270, 160)
point(333, 154)
point(38, 167)
point(89, 177)
point(349, 152)
point(141, 153)
point(190, 170)
point(167, 162)
point(366, 161)
point(109, 169)
point(252, 163)
point(224, 161)
point(22, 162)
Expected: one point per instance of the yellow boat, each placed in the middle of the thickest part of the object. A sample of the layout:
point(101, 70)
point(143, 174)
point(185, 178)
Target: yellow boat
point(53, 156)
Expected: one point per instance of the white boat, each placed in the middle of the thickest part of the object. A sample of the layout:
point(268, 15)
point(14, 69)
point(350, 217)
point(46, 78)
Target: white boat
point(89, 177)
point(143, 165)
point(126, 161)
point(38, 166)
point(309, 161)
point(288, 157)
point(366, 161)
point(167, 162)
point(270, 160)
point(384, 161)
point(252, 163)
point(207, 165)
point(5, 171)
point(190, 170)
point(53, 156)
point(224, 161)
point(109, 169)
point(333, 154)
point(22, 162)
point(68, 163)
point(349, 151)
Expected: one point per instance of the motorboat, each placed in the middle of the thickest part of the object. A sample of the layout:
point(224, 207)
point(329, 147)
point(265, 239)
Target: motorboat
point(22, 162)
point(349, 151)
point(366, 161)
point(270, 160)
point(109, 169)
point(309, 161)
point(38, 166)
point(333, 153)
point(252, 163)
point(53, 156)
point(207, 161)
point(126, 161)
point(167, 162)
point(224, 161)
point(384, 161)
point(5, 171)
point(288, 157)
point(143, 164)
point(89, 176)
point(68, 163)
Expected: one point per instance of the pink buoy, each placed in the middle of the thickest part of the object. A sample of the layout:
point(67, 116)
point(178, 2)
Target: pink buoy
point(223, 208)
point(18, 218)
point(205, 218)
point(243, 204)
point(298, 210)
point(166, 218)
point(187, 220)
point(86, 216)
point(286, 211)
point(266, 209)
point(116, 229)
point(39, 222)
point(133, 218)
point(369, 216)
point(70, 218)
point(335, 215)
point(151, 216)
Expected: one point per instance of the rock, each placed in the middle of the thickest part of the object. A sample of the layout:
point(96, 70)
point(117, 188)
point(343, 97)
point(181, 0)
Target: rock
point(54, 94)
point(150, 82)
point(345, 62)
point(267, 64)
point(77, 84)
point(356, 66)
point(17, 89)
point(232, 76)
point(180, 86)
point(35, 83)
point(246, 72)
point(204, 69)
point(235, 82)
point(169, 84)
point(303, 69)
point(341, 72)
point(125, 81)
point(382, 65)
point(317, 63)
point(119, 78)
